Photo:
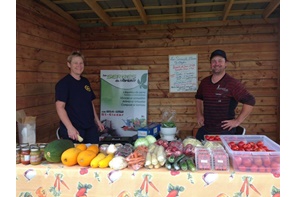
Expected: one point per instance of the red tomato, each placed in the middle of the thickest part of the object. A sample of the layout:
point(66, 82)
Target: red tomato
point(211, 138)
point(260, 143)
point(247, 162)
point(254, 168)
point(231, 144)
point(241, 144)
point(261, 169)
point(234, 147)
point(217, 138)
point(237, 160)
point(266, 161)
point(275, 166)
point(276, 159)
point(242, 168)
point(257, 161)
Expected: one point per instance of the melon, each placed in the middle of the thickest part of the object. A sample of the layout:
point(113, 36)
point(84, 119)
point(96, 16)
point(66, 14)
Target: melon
point(54, 149)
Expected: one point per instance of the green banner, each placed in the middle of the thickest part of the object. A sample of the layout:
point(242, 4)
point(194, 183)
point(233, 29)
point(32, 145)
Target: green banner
point(124, 96)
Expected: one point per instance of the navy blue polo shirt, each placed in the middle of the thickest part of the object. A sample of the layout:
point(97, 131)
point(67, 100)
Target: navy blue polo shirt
point(78, 96)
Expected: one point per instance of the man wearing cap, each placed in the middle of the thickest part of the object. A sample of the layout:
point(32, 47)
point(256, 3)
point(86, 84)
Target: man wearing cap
point(217, 98)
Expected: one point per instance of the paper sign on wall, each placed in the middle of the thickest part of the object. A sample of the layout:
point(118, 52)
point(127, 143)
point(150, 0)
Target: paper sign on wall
point(183, 73)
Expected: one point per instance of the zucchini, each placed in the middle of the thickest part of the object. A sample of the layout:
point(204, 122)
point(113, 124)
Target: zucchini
point(191, 165)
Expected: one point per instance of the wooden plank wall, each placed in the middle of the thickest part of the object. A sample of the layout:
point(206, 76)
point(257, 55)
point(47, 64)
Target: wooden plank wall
point(43, 42)
point(252, 47)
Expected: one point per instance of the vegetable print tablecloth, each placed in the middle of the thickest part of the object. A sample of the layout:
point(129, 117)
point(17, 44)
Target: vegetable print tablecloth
point(49, 179)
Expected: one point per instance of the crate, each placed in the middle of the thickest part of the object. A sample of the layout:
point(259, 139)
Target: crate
point(151, 129)
point(253, 161)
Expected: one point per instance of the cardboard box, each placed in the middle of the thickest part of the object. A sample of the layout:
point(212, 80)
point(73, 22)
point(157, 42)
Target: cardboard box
point(151, 129)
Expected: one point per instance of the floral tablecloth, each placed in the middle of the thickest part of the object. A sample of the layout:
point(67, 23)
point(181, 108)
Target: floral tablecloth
point(48, 179)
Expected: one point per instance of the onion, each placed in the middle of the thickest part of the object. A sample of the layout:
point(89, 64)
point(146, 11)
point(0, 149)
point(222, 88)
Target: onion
point(141, 142)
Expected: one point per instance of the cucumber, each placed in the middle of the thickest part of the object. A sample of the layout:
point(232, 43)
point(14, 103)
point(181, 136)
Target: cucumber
point(171, 158)
point(168, 165)
point(183, 164)
point(176, 162)
point(191, 165)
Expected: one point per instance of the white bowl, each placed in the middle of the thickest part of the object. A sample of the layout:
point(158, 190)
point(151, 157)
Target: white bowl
point(168, 133)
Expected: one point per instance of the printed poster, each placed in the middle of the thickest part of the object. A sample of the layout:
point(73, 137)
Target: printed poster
point(124, 95)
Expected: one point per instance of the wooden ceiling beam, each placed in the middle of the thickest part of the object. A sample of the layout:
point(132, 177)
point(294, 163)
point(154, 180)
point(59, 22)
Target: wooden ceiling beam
point(140, 10)
point(99, 11)
point(183, 10)
point(227, 8)
point(270, 8)
point(59, 11)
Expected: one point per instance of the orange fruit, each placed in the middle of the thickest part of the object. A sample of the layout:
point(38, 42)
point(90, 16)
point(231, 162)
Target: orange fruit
point(94, 148)
point(85, 157)
point(69, 156)
point(81, 146)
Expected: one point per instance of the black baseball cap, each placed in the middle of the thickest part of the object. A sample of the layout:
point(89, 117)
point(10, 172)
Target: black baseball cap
point(218, 52)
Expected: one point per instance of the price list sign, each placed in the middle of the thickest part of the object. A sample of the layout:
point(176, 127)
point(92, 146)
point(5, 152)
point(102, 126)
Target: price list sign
point(183, 73)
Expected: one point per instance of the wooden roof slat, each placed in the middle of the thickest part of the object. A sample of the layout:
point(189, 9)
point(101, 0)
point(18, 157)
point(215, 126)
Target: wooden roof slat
point(58, 10)
point(140, 10)
point(227, 8)
point(149, 13)
point(99, 11)
point(270, 8)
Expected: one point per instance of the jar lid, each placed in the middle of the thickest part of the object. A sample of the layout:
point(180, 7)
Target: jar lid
point(34, 148)
point(25, 148)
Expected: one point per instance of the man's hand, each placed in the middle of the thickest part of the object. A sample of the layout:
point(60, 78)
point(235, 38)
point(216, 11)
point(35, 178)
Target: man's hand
point(229, 124)
point(200, 120)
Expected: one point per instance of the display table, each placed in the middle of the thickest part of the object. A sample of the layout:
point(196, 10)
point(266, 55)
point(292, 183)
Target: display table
point(49, 179)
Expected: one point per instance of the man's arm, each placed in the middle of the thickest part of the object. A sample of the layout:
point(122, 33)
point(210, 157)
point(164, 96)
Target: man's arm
point(229, 124)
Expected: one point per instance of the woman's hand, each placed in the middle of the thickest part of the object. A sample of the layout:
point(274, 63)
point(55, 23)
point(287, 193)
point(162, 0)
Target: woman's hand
point(100, 126)
point(73, 133)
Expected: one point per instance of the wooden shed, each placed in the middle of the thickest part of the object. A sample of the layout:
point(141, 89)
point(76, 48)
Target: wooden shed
point(141, 34)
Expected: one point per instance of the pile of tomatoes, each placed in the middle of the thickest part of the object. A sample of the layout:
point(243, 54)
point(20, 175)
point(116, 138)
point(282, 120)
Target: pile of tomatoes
point(212, 137)
point(248, 146)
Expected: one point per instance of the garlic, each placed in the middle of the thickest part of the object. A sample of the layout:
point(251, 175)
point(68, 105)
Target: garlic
point(111, 149)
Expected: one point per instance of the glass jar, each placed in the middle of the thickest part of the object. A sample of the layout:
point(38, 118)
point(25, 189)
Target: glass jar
point(35, 157)
point(25, 155)
point(18, 154)
point(42, 147)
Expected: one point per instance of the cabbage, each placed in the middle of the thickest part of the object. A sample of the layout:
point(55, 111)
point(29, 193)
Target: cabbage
point(141, 142)
point(151, 139)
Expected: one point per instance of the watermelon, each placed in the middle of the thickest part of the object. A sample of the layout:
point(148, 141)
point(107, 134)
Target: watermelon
point(54, 149)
